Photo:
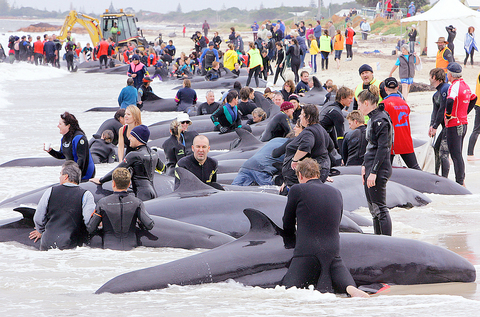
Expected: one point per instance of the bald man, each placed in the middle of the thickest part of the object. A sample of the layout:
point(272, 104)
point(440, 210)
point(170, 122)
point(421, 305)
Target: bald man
point(202, 166)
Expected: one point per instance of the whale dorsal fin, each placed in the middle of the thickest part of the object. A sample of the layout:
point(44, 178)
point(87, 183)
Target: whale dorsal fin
point(27, 212)
point(260, 223)
point(246, 138)
point(317, 86)
point(189, 182)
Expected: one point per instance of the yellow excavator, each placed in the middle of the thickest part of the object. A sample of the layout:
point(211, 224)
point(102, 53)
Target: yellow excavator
point(125, 31)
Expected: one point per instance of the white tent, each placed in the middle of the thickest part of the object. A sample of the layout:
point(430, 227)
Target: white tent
point(444, 13)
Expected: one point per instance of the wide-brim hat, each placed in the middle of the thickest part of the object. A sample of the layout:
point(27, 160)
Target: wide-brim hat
point(441, 39)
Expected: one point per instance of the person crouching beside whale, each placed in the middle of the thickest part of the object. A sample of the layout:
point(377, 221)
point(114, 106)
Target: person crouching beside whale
point(74, 145)
point(143, 162)
point(119, 214)
point(227, 118)
point(63, 212)
point(103, 151)
point(316, 209)
point(199, 164)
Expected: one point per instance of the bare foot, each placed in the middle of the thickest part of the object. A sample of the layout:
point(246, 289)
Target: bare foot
point(472, 158)
point(355, 292)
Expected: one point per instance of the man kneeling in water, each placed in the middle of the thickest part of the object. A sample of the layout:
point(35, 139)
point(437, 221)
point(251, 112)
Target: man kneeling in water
point(119, 214)
point(316, 208)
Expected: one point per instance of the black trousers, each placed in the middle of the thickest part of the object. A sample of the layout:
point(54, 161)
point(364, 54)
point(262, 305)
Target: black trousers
point(279, 71)
point(349, 50)
point(103, 59)
point(377, 201)
point(255, 72)
point(410, 160)
point(455, 136)
point(476, 131)
point(471, 57)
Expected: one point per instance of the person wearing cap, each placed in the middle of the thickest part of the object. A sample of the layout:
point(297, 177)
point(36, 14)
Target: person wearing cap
point(145, 91)
point(302, 86)
point(208, 56)
point(227, 118)
point(366, 73)
point(332, 119)
point(444, 54)
point(185, 137)
point(297, 108)
point(142, 161)
point(128, 95)
point(406, 68)
point(399, 112)
point(209, 106)
point(119, 214)
point(199, 164)
point(452, 33)
point(137, 71)
point(281, 124)
point(460, 100)
point(365, 27)
point(411, 10)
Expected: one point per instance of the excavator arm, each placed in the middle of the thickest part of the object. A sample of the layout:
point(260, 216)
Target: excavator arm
point(89, 23)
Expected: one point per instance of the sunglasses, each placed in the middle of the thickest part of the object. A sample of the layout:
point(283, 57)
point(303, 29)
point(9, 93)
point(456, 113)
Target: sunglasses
point(183, 122)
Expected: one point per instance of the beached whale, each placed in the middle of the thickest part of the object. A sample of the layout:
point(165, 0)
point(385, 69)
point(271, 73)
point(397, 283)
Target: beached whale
point(315, 96)
point(165, 233)
point(260, 258)
point(197, 203)
point(225, 83)
point(421, 181)
point(353, 193)
point(156, 105)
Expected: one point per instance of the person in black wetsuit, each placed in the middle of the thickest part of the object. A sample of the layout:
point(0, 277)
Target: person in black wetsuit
point(70, 48)
point(74, 145)
point(209, 106)
point(297, 108)
point(280, 61)
point(355, 142)
point(313, 142)
point(295, 54)
point(439, 99)
point(281, 124)
point(376, 168)
point(113, 124)
point(288, 89)
point(227, 118)
point(133, 118)
point(198, 163)
point(317, 210)
point(103, 151)
point(142, 161)
point(119, 214)
point(145, 91)
point(174, 150)
point(246, 105)
point(331, 116)
point(185, 137)
point(63, 211)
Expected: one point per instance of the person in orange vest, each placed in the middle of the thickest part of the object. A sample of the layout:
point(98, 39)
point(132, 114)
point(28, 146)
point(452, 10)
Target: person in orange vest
point(444, 54)
point(104, 51)
point(38, 51)
point(338, 46)
point(349, 34)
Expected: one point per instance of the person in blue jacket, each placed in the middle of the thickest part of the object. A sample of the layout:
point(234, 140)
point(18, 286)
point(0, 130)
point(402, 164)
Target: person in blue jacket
point(128, 95)
point(74, 145)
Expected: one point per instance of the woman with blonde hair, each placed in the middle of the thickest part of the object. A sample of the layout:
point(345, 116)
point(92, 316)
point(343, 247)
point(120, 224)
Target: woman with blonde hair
point(133, 118)
point(314, 50)
point(230, 57)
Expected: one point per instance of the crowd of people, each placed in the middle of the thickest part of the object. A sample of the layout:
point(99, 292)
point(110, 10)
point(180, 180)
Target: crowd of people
point(303, 142)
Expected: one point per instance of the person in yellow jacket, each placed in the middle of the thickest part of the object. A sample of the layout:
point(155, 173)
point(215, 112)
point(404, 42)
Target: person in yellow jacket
point(255, 64)
point(314, 50)
point(325, 48)
point(338, 46)
point(230, 57)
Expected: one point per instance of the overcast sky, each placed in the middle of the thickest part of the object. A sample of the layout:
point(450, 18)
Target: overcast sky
point(162, 6)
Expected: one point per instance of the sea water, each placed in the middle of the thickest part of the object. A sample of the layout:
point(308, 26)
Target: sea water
point(62, 283)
